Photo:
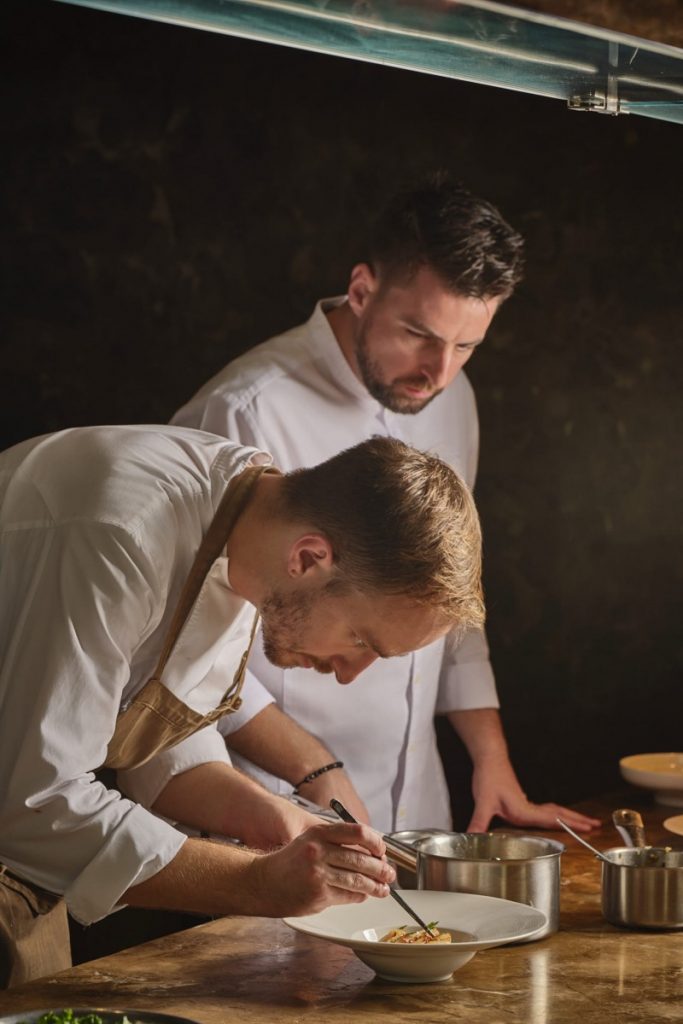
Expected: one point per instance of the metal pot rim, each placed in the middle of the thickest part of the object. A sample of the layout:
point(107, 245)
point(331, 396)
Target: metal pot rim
point(557, 848)
point(642, 867)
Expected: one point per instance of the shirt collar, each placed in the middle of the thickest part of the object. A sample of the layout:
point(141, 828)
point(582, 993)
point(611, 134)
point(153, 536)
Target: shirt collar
point(334, 362)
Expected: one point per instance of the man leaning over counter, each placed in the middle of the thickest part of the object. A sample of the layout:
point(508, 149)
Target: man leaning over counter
point(133, 564)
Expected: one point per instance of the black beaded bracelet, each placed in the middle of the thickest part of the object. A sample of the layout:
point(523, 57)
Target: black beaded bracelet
point(319, 771)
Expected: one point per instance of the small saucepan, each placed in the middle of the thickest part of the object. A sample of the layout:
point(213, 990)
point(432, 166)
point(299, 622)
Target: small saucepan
point(642, 887)
point(525, 869)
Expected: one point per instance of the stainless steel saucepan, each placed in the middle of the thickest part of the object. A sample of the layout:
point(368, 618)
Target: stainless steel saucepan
point(522, 868)
point(642, 886)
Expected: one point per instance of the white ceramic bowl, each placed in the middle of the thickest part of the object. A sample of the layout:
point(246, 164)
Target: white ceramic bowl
point(476, 922)
point(662, 773)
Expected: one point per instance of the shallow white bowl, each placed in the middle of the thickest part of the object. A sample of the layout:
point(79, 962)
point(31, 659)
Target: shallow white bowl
point(476, 922)
point(662, 773)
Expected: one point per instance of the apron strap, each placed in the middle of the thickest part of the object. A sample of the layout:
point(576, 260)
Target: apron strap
point(231, 506)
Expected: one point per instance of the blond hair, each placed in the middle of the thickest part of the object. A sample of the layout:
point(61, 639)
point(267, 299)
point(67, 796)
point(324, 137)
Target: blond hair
point(400, 522)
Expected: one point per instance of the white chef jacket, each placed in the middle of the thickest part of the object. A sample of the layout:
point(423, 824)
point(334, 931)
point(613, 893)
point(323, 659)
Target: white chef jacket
point(296, 397)
point(98, 530)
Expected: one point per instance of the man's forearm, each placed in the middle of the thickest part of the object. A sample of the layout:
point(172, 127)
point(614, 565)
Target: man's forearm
point(203, 878)
point(327, 864)
point(216, 798)
point(481, 731)
point(276, 743)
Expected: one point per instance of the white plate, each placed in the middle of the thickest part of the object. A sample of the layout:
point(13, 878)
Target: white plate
point(675, 824)
point(477, 922)
point(662, 773)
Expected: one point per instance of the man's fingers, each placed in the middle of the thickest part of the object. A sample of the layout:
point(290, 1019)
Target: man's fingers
point(350, 835)
point(336, 864)
point(546, 815)
point(534, 815)
point(481, 817)
point(356, 882)
point(480, 823)
point(352, 869)
point(580, 822)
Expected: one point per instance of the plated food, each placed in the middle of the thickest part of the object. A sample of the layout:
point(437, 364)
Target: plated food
point(406, 935)
point(74, 1017)
point(92, 1015)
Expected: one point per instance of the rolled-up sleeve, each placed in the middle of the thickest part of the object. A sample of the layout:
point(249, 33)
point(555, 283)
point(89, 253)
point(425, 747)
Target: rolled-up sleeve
point(466, 681)
point(76, 601)
point(135, 849)
point(145, 783)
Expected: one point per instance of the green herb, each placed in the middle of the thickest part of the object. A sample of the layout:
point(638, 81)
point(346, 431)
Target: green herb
point(69, 1017)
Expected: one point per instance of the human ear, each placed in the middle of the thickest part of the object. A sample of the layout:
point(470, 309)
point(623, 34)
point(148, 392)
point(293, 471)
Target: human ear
point(309, 554)
point(362, 285)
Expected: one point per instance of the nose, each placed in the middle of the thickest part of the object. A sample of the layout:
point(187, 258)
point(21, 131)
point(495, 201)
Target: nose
point(436, 365)
point(346, 670)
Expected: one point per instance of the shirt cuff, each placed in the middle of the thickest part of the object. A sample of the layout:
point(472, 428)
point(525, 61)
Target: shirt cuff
point(144, 784)
point(139, 847)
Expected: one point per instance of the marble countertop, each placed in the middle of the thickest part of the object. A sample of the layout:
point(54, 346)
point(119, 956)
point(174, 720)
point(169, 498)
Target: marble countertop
point(254, 970)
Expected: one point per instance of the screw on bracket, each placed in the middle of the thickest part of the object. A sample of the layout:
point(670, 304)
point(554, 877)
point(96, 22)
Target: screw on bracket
point(594, 100)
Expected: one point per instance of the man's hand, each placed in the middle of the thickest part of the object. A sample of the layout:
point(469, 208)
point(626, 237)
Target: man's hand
point(275, 822)
point(337, 784)
point(497, 791)
point(495, 787)
point(328, 864)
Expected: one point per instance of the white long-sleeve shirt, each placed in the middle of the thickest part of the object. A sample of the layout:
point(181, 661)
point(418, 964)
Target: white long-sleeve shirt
point(98, 530)
point(296, 397)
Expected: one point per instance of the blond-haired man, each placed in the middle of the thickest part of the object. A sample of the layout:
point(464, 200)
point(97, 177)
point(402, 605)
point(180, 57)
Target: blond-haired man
point(132, 560)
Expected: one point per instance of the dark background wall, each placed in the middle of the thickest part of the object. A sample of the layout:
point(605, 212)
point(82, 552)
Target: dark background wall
point(173, 197)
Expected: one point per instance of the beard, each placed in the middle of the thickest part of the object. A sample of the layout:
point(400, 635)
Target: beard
point(284, 624)
point(390, 395)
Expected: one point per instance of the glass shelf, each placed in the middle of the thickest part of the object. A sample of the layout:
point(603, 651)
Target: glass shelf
point(589, 68)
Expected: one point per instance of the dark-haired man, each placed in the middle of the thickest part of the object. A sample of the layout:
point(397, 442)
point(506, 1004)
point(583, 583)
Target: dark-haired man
point(386, 358)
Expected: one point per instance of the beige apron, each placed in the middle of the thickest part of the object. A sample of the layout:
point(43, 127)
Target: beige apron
point(156, 719)
point(34, 933)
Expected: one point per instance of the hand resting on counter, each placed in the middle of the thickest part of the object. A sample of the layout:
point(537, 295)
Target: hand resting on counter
point(497, 791)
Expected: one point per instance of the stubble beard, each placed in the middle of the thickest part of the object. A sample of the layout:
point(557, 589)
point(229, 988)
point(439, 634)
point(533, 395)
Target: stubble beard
point(284, 622)
point(388, 395)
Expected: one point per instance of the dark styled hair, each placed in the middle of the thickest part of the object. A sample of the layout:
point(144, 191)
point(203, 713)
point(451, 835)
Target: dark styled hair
point(400, 521)
point(438, 223)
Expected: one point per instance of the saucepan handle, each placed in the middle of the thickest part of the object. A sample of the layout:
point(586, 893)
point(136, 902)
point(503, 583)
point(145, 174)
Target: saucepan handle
point(400, 853)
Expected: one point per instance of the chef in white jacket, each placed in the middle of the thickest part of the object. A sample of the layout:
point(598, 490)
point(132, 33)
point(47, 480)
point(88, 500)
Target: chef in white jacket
point(387, 359)
point(132, 560)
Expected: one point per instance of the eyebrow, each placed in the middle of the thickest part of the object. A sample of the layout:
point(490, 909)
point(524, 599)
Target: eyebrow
point(373, 645)
point(417, 325)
